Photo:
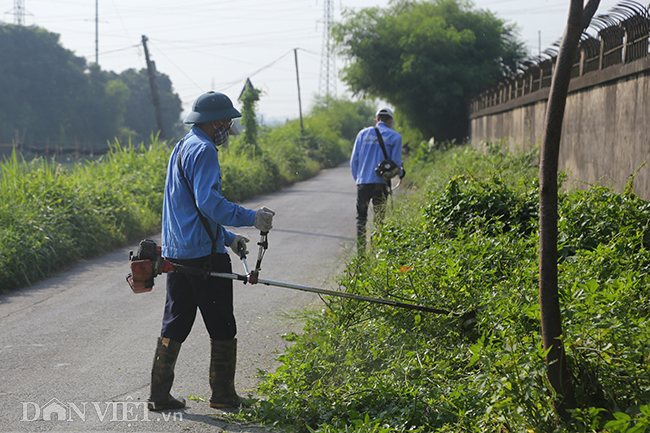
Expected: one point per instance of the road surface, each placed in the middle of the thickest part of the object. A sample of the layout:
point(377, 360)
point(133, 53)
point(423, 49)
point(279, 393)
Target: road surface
point(76, 349)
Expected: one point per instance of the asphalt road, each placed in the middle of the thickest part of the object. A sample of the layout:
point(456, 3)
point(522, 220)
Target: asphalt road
point(76, 350)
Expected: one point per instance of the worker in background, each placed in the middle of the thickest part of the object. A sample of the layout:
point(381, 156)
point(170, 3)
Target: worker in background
point(373, 167)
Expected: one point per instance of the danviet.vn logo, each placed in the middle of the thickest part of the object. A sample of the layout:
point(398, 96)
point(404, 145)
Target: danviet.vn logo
point(107, 411)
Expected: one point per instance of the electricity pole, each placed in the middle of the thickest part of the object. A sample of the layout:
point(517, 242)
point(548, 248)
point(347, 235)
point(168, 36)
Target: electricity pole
point(295, 54)
point(151, 70)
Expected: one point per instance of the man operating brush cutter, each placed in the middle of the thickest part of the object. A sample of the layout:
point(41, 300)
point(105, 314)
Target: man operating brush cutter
point(148, 263)
point(193, 236)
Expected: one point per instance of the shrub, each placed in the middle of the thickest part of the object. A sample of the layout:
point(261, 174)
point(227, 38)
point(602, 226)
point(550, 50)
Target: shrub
point(470, 245)
point(51, 217)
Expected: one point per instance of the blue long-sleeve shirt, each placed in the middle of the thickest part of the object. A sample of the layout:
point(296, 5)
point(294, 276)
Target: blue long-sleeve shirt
point(367, 154)
point(183, 234)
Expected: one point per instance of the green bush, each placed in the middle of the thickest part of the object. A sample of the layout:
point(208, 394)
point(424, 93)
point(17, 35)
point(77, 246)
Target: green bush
point(283, 147)
point(599, 215)
point(492, 202)
point(245, 176)
point(51, 217)
point(468, 243)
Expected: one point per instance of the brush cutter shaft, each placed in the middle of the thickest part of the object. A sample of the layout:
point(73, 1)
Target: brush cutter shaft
point(332, 293)
point(352, 296)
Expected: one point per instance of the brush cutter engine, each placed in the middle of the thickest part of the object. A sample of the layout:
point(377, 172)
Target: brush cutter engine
point(146, 264)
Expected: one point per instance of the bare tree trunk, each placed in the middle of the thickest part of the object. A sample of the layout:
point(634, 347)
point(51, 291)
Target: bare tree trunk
point(558, 373)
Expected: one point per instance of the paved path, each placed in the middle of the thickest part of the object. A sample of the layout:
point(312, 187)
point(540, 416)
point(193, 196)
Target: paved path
point(83, 343)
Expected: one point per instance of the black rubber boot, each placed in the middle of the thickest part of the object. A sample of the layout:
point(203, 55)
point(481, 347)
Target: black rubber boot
point(223, 362)
point(162, 376)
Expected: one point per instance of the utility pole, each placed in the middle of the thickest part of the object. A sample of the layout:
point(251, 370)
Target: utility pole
point(151, 70)
point(295, 55)
point(327, 84)
point(96, 31)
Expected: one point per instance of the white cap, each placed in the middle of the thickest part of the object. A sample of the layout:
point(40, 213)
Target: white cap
point(384, 112)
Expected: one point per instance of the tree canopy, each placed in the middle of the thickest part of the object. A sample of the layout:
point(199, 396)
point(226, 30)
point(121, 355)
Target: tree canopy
point(140, 116)
point(49, 95)
point(343, 115)
point(426, 58)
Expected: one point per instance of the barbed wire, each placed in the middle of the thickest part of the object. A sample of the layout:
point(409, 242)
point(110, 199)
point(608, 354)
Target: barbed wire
point(622, 36)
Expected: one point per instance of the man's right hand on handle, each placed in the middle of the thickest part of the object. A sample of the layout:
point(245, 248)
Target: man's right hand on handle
point(264, 219)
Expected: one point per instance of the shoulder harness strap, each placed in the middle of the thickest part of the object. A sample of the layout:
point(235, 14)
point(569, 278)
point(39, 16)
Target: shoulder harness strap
point(381, 143)
point(204, 220)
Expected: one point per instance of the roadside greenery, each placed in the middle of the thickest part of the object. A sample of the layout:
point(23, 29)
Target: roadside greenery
point(467, 241)
point(51, 217)
point(426, 57)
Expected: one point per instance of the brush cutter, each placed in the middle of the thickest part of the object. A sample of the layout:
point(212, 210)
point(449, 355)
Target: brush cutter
point(147, 263)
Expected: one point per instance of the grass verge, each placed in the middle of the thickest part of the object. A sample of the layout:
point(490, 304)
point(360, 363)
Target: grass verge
point(52, 217)
point(468, 241)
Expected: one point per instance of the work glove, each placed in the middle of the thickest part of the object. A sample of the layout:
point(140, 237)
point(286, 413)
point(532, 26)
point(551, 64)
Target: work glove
point(264, 219)
point(238, 246)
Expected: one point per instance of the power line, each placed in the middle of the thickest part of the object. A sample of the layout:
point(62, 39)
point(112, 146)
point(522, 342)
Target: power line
point(309, 51)
point(180, 69)
point(232, 83)
point(117, 50)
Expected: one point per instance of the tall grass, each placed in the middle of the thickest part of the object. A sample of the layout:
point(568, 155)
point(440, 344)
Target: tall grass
point(468, 241)
point(51, 217)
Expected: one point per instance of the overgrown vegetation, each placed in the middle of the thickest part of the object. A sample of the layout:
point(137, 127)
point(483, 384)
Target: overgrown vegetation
point(51, 217)
point(403, 54)
point(468, 241)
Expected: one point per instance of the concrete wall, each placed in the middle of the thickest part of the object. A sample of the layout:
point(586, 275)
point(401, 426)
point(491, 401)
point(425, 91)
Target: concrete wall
point(606, 130)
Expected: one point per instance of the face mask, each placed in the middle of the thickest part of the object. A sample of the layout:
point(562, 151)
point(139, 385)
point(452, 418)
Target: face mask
point(221, 135)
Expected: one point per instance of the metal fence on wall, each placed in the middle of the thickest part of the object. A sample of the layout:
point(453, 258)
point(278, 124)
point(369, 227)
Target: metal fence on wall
point(622, 37)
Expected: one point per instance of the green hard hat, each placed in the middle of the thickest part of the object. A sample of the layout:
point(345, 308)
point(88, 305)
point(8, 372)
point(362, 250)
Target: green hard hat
point(210, 107)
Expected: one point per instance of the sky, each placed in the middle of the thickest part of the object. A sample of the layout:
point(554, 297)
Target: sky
point(207, 45)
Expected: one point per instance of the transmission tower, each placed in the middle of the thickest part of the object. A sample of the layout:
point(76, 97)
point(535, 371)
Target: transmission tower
point(327, 83)
point(18, 12)
point(97, 32)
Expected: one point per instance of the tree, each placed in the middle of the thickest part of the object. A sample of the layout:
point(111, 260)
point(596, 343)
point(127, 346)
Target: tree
point(249, 97)
point(349, 117)
point(49, 95)
point(40, 82)
point(426, 58)
point(100, 108)
point(558, 373)
point(139, 116)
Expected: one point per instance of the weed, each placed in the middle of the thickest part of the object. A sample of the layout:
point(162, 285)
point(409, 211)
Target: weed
point(468, 241)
